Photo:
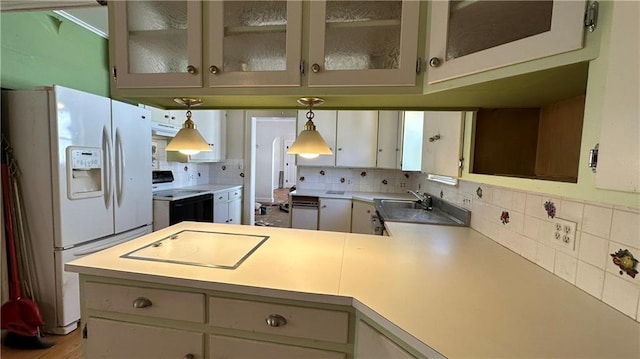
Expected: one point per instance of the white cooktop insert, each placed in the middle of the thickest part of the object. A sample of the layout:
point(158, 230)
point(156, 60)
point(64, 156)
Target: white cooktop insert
point(201, 248)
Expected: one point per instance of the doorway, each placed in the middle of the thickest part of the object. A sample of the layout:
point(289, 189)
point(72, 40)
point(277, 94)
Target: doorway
point(269, 171)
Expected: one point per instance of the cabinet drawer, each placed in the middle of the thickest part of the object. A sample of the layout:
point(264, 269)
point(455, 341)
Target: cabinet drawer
point(113, 339)
point(236, 193)
point(150, 302)
point(301, 322)
point(220, 197)
point(225, 347)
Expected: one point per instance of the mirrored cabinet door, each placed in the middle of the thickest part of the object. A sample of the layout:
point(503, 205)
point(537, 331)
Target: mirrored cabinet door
point(467, 36)
point(158, 43)
point(254, 43)
point(363, 42)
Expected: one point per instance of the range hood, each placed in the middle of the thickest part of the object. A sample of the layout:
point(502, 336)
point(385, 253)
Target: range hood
point(163, 129)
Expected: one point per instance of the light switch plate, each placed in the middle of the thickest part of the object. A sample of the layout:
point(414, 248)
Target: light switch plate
point(563, 233)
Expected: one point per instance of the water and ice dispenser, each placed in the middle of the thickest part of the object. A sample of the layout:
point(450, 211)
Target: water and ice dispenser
point(84, 172)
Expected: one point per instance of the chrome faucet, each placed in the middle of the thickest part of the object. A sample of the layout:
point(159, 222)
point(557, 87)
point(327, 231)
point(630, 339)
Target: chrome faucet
point(417, 195)
point(423, 199)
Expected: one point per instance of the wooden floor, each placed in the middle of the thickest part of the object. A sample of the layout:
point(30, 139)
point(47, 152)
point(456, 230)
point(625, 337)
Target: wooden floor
point(65, 346)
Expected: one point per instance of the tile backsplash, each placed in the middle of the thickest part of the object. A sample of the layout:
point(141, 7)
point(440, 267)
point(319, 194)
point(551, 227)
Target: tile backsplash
point(352, 179)
point(602, 229)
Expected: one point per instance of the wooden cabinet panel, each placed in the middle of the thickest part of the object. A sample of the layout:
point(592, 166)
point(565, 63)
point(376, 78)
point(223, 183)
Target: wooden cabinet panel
point(231, 348)
point(113, 339)
point(361, 217)
point(159, 303)
point(371, 344)
point(619, 153)
point(556, 29)
point(334, 215)
point(301, 322)
point(442, 142)
point(356, 139)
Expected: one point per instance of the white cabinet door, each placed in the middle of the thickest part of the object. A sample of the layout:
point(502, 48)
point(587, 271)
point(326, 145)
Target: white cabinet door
point(254, 43)
point(356, 139)
point(158, 115)
point(467, 37)
point(412, 128)
point(619, 153)
point(221, 212)
point(177, 117)
point(442, 144)
point(335, 215)
point(112, 339)
point(361, 217)
point(235, 211)
point(158, 44)
point(212, 126)
point(388, 155)
point(363, 43)
point(325, 122)
point(371, 344)
point(227, 347)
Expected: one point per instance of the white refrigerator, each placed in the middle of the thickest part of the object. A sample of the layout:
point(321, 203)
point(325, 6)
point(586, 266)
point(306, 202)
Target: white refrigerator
point(85, 175)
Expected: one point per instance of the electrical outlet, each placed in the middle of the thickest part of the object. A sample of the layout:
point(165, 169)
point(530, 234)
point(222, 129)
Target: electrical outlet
point(467, 201)
point(563, 233)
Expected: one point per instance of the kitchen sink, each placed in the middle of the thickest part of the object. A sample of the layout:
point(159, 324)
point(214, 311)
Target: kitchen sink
point(408, 211)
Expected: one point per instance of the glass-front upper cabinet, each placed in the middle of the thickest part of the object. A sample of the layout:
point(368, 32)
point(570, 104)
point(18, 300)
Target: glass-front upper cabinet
point(158, 43)
point(254, 43)
point(363, 43)
point(470, 36)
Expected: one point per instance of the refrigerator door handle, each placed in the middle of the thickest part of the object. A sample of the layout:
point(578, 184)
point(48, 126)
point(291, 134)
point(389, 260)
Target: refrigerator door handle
point(120, 165)
point(106, 166)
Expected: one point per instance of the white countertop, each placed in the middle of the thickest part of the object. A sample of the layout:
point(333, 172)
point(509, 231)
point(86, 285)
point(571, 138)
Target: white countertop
point(450, 287)
point(201, 189)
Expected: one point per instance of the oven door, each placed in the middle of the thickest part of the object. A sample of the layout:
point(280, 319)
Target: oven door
point(196, 208)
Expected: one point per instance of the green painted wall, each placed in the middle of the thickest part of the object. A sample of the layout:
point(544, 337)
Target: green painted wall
point(43, 49)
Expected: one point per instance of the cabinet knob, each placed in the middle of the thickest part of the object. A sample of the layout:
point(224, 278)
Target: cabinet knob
point(214, 69)
point(192, 69)
point(189, 356)
point(275, 320)
point(434, 138)
point(339, 148)
point(315, 68)
point(435, 62)
point(142, 302)
point(380, 150)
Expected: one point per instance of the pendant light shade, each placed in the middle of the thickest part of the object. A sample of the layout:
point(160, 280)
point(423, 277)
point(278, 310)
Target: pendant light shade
point(188, 140)
point(309, 143)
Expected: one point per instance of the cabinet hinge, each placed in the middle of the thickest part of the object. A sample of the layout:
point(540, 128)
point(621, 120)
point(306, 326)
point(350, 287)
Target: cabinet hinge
point(461, 163)
point(418, 65)
point(593, 158)
point(591, 16)
point(114, 73)
point(84, 332)
point(302, 67)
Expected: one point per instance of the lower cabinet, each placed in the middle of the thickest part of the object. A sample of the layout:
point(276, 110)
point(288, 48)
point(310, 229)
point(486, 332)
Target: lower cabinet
point(361, 217)
point(133, 319)
point(227, 206)
point(370, 344)
point(334, 215)
point(116, 339)
point(228, 347)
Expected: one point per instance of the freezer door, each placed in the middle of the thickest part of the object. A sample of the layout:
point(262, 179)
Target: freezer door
point(67, 297)
point(81, 119)
point(131, 128)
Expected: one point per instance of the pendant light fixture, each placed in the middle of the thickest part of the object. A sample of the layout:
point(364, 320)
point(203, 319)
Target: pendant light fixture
point(188, 140)
point(309, 143)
